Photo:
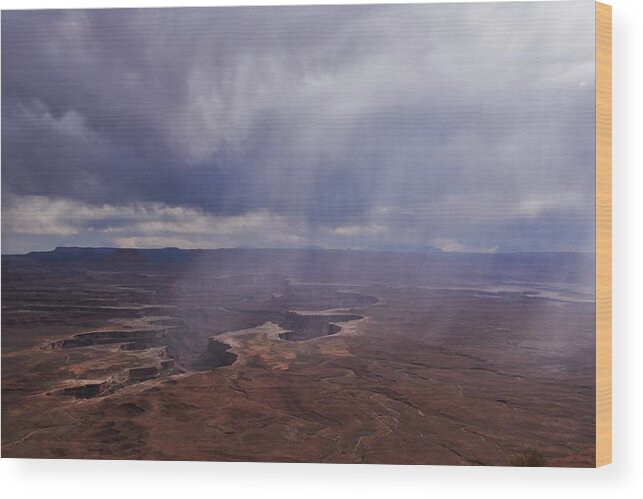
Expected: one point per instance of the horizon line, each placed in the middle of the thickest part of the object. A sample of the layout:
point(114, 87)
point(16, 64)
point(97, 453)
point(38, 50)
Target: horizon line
point(428, 250)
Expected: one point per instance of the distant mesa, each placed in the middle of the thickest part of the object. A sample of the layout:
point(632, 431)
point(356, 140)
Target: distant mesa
point(127, 257)
point(317, 265)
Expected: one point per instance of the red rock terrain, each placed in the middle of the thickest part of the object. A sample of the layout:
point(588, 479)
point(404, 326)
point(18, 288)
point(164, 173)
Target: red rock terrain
point(247, 356)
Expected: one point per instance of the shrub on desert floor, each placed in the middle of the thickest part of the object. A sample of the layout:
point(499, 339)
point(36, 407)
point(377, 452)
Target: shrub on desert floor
point(531, 457)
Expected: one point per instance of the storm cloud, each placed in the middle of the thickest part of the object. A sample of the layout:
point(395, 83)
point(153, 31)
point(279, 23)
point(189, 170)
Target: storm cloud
point(466, 127)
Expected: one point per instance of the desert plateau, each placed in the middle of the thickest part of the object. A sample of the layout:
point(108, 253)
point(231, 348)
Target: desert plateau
point(328, 356)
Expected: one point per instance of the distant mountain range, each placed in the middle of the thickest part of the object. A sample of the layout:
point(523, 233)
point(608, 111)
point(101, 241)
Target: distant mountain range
point(421, 268)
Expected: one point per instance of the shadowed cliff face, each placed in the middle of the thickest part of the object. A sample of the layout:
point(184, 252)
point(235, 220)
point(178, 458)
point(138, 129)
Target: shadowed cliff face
point(216, 355)
point(306, 327)
point(106, 338)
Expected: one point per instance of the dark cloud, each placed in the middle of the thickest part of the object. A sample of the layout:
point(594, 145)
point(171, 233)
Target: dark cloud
point(469, 125)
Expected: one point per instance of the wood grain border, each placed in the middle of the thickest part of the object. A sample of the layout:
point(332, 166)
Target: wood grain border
point(603, 234)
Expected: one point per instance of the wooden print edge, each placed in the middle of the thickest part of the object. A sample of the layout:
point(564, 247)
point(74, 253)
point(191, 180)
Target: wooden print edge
point(603, 234)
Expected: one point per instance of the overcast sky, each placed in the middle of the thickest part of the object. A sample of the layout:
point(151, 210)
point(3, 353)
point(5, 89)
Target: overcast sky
point(467, 127)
